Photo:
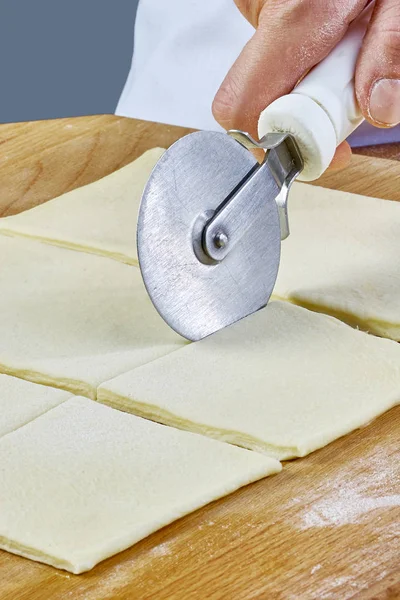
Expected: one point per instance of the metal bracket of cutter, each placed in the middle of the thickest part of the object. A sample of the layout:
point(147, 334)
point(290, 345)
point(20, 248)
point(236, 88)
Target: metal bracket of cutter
point(234, 216)
point(285, 162)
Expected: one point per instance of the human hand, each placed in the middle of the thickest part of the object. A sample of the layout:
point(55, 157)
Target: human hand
point(291, 37)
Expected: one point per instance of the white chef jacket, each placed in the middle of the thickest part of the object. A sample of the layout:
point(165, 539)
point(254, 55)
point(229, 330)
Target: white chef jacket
point(182, 52)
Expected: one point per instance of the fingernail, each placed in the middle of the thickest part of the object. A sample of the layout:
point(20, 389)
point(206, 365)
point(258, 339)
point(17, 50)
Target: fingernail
point(384, 102)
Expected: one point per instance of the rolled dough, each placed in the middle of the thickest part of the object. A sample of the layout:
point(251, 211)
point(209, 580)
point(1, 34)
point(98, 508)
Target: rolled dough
point(343, 258)
point(100, 217)
point(22, 401)
point(284, 381)
point(340, 257)
point(83, 482)
point(73, 320)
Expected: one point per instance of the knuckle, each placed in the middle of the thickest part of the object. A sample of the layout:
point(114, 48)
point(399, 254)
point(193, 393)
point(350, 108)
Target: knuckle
point(388, 14)
point(385, 25)
point(392, 42)
point(320, 24)
point(226, 100)
point(385, 44)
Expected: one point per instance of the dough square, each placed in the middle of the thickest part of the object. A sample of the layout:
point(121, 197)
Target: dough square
point(342, 258)
point(284, 381)
point(84, 481)
point(22, 401)
point(100, 217)
point(73, 320)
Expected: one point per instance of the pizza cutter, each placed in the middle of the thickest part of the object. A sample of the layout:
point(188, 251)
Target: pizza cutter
point(212, 218)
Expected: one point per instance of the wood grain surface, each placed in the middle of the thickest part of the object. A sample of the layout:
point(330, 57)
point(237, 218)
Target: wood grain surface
point(327, 527)
point(40, 160)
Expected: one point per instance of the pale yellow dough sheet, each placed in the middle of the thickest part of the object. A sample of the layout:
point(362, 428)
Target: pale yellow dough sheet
point(284, 381)
point(22, 401)
point(73, 320)
point(100, 217)
point(83, 482)
point(343, 258)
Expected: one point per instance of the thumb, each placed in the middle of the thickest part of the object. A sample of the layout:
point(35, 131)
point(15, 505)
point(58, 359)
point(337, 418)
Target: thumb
point(378, 66)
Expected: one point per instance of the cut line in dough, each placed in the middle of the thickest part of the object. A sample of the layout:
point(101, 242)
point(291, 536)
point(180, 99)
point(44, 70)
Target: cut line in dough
point(73, 320)
point(100, 218)
point(339, 258)
point(22, 401)
point(84, 482)
point(342, 258)
point(284, 381)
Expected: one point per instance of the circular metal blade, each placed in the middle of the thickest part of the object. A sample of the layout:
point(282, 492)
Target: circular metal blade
point(186, 186)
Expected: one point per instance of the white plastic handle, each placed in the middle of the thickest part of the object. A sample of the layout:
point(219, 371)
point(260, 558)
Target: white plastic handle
point(322, 110)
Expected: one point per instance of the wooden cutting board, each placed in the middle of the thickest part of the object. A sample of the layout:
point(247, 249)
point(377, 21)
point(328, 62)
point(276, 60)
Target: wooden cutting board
point(327, 527)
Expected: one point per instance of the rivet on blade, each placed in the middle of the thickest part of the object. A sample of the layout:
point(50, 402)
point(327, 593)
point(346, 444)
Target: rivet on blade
point(220, 239)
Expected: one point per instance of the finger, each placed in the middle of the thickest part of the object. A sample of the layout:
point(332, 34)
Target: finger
point(342, 157)
point(378, 66)
point(292, 36)
point(258, 154)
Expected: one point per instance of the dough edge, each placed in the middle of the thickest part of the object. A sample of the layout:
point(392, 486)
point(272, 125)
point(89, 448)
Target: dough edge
point(85, 561)
point(76, 387)
point(248, 442)
point(380, 328)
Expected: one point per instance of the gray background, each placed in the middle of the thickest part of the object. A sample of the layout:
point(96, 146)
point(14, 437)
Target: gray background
point(63, 58)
